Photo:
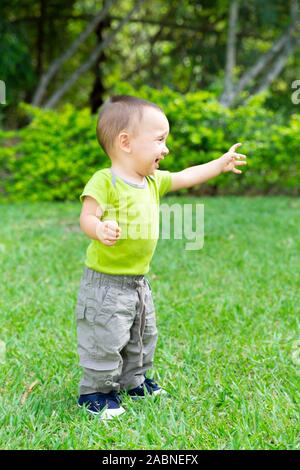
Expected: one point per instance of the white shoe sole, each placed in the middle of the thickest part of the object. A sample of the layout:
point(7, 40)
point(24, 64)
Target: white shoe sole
point(161, 391)
point(107, 413)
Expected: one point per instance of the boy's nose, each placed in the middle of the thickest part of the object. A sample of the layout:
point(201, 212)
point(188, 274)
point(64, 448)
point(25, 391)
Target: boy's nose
point(165, 151)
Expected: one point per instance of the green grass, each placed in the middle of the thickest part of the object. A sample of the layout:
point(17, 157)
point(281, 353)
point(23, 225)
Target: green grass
point(228, 320)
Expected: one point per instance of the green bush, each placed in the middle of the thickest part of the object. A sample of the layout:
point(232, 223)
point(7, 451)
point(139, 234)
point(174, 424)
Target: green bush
point(53, 157)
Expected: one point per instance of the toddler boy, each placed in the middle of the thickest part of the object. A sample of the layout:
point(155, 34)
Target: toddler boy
point(116, 325)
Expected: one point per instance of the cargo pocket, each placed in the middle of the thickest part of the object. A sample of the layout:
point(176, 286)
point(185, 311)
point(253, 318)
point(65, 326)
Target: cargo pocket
point(80, 311)
point(86, 311)
point(90, 302)
point(105, 303)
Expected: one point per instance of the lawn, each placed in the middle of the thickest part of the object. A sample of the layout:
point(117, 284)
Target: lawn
point(228, 320)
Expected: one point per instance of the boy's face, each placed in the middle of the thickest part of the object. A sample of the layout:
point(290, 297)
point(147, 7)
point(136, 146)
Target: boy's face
point(148, 144)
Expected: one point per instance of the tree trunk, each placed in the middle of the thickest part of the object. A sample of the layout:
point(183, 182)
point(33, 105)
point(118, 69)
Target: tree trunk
point(96, 96)
point(291, 44)
point(41, 37)
point(56, 65)
point(277, 66)
point(281, 48)
point(54, 99)
point(263, 61)
point(227, 96)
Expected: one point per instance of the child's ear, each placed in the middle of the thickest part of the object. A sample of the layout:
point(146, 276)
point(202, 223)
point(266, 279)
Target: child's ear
point(124, 142)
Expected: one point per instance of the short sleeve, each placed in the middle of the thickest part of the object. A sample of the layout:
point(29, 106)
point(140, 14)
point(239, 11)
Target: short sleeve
point(164, 181)
point(98, 187)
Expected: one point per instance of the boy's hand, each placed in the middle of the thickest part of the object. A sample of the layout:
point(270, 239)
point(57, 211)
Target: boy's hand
point(231, 159)
point(108, 232)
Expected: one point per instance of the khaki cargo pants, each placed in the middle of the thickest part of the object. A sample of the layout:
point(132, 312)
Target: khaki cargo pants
point(116, 331)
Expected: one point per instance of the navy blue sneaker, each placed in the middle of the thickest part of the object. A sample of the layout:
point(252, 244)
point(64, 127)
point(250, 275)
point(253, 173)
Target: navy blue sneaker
point(156, 389)
point(107, 405)
point(148, 387)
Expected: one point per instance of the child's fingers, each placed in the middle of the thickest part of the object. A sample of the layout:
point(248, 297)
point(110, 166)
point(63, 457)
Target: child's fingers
point(111, 237)
point(111, 230)
point(235, 170)
point(239, 155)
point(109, 242)
point(112, 224)
point(240, 163)
point(234, 146)
point(111, 233)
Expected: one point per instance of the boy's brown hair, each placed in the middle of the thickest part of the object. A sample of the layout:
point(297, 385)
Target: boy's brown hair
point(117, 113)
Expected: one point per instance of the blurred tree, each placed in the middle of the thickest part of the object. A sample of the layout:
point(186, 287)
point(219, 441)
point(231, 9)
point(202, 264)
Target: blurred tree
point(91, 60)
point(97, 93)
point(53, 52)
point(268, 66)
point(58, 62)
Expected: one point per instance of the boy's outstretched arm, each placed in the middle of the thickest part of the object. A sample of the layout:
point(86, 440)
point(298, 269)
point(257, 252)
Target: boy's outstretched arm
point(200, 173)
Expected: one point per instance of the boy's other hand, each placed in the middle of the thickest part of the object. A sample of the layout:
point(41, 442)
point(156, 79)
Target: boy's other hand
point(231, 159)
point(108, 232)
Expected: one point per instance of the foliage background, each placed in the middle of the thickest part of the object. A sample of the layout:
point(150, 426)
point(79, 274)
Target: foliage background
point(173, 53)
point(53, 157)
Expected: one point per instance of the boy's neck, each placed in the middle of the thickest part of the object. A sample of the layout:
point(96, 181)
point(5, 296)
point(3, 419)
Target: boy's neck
point(130, 176)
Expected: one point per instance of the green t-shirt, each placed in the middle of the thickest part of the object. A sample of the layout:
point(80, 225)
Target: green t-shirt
point(136, 210)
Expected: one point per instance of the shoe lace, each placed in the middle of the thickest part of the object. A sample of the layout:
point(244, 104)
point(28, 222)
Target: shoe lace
point(150, 382)
point(148, 386)
point(115, 396)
